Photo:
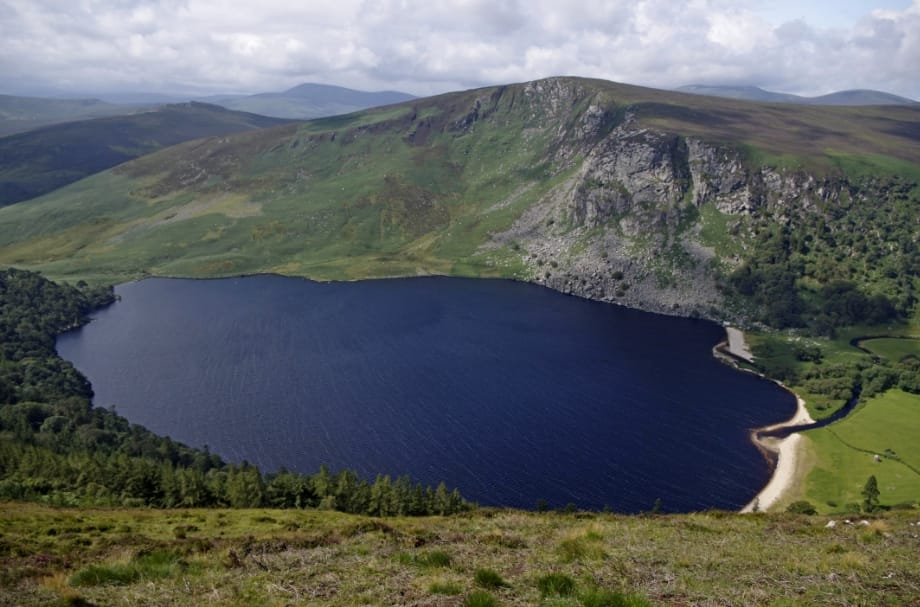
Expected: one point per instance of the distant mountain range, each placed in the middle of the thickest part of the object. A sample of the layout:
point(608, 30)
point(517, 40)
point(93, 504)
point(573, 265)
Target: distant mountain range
point(752, 93)
point(309, 101)
point(304, 102)
point(18, 114)
point(44, 159)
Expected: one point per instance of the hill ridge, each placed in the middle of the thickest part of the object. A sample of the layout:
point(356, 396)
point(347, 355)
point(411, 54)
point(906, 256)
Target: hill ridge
point(848, 97)
point(643, 197)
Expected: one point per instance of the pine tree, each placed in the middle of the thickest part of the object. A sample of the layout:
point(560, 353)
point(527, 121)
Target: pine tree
point(870, 494)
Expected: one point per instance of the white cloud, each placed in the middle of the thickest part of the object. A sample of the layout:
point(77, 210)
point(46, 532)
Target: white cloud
point(428, 46)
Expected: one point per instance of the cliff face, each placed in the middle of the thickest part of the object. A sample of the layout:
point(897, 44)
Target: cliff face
point(626, 227)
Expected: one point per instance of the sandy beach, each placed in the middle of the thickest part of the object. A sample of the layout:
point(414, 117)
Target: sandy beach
point(787, 451)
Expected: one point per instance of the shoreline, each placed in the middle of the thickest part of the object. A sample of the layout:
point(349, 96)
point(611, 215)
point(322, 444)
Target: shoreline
point(782, 452)
point(785, 452)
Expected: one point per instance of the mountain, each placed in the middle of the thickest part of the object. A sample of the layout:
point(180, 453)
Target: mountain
point(749, 93)
point(18, 114)
point(310, 101)
point(861, 97)
point(39, 161)
point(753, 93)
point(663, 201)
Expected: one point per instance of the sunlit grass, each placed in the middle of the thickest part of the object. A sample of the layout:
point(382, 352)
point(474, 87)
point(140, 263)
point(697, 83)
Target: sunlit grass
point(271, 557)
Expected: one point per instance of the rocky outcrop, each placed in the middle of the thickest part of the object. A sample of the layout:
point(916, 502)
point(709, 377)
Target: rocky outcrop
point(627, 228)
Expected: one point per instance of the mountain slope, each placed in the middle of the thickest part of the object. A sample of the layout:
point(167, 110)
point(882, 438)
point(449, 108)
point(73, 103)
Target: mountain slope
point(312, 101)
point(18, 114)
point(658, 200)
point(857, 97)
point(42, 160)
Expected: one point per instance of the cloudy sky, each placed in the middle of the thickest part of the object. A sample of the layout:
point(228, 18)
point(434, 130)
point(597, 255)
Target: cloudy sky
point(431, 46)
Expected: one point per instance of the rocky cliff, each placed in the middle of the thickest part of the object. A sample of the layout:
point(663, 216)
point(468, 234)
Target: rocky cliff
point(658, 220)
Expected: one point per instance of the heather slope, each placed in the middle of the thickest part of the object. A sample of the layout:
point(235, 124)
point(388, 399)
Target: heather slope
point(45, 159)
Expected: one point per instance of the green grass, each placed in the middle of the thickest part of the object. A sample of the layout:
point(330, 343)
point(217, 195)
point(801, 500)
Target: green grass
point(427, 560)
point(488, 579)
point(146, 566)
point(777, 356)
point(555, 584)
point(271, 557)
point(895, 349)
point(601, 597)
point(445, 588)
point(480, 598)
point(715, 231)
point(843, 454)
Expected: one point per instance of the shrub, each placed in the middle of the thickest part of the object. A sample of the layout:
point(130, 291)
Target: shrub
point(479, 598)
point(802, 507)
point(488, 579)
point(446, 588)
point(105, 575)
point(600, 597)
point(435, 558)
point(148, 566)
point(556, 584)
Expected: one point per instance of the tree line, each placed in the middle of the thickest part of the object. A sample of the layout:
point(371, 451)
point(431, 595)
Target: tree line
point(56, 447)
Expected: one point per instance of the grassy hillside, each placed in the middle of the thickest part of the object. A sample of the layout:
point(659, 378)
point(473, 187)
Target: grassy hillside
point(844, 454)
point(43, 160)
point(417, 187)
point(269, 557)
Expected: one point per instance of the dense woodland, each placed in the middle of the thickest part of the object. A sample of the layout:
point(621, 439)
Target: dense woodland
point(851, 261)
point(57, 448)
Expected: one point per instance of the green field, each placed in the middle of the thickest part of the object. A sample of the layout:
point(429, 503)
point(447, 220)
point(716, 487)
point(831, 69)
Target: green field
point(843, 454)
point(271, 557)
point(893, 348)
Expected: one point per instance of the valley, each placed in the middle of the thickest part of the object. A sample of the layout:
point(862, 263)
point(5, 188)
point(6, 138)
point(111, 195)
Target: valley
point(798, 224)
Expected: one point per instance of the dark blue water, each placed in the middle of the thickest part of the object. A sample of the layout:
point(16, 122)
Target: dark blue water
point(511, 392)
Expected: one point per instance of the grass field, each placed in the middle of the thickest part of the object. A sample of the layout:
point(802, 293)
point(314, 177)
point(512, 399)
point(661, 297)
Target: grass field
point(893, 348)
point(844, 454)
point(271, 557)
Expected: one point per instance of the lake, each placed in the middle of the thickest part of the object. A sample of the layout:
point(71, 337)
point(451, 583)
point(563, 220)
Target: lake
point(511, 392)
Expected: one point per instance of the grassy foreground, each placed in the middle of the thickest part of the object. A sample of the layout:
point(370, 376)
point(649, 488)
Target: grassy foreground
point(271, 557)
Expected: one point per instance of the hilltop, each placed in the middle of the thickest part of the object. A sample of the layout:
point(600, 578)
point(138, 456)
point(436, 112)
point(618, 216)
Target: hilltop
point(45, 159)
point(310, 100)
point(856, 97)
point(18, 114)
